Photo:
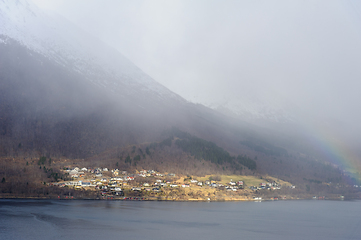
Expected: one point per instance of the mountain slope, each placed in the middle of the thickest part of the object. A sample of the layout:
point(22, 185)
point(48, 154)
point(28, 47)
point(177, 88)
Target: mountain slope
point(70, 88)
point(65, 94)
point(74, 49)
point(79, 95)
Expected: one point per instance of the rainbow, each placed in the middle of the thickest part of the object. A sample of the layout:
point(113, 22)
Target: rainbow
point(335, 149)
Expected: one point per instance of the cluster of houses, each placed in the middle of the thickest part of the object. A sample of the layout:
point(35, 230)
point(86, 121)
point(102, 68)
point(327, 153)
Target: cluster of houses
point(231, 186)
point(113, 181)
point(268, 186)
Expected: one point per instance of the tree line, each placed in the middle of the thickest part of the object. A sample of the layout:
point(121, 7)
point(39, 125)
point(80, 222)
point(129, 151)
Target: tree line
point(209, 151)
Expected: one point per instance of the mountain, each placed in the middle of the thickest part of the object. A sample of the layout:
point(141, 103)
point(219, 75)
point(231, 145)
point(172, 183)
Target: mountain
point(74, 49)
point(255, 105)
point(66, 94)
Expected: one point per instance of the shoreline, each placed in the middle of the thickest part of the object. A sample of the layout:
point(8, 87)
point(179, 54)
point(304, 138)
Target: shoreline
point(175, 200)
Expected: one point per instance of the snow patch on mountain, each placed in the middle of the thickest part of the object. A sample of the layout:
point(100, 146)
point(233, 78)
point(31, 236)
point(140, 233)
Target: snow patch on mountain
point(73, 48)
point(255, 105)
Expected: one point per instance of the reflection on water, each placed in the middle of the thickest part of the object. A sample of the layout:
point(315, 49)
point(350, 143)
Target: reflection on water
point(92, 219)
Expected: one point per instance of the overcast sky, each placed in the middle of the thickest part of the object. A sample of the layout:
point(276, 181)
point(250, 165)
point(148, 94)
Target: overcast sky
point(303, 53)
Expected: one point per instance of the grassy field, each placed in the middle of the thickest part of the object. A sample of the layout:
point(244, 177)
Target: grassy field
point(248, 180)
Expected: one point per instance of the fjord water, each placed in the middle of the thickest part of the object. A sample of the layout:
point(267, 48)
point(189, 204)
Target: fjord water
point(92, 219)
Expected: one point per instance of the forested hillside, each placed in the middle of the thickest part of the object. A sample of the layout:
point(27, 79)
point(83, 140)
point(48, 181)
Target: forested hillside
point(117, 115)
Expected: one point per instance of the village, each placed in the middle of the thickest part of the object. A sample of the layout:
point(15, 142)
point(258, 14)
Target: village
point(153, 185)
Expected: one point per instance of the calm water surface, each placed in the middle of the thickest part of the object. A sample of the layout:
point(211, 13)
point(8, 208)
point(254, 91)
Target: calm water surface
point(51, 219)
